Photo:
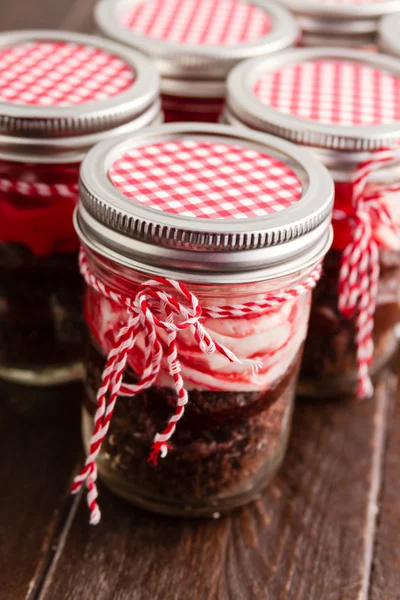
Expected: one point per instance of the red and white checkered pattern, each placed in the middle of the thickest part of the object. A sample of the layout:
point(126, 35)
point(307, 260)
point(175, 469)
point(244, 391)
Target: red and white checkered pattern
point(60, 74)
point(201, 22)
point(332, 92)
point(206, 180)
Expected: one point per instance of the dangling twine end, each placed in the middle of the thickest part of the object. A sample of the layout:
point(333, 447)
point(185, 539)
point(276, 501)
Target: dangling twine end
point(95, 516)
point(157, 449)
point(365, 389)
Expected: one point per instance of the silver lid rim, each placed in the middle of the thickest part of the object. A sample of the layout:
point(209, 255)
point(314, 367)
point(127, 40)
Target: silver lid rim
point(388, 35)
point(89, 117)
point(344, 11)
point(178, 269)
point(338, 27)
point(252, 112)
point(172, 58)
point(106, 217)
point(71, 149)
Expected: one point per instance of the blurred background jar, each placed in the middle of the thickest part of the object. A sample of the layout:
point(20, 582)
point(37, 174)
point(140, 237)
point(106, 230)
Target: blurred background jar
point(242, 221)
point(344, 105)
point(195, 43)
point(343, 23)
point(60, 93)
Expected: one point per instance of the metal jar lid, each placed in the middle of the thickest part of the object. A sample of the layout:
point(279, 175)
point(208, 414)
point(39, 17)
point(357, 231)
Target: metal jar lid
point(329, 98)
point(341, 17)
point(206, 203)
point(196, 42)
point(388, 38)
point(57, 85)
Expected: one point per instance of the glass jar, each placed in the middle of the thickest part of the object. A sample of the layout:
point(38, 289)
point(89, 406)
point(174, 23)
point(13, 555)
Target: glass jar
point(195, 43)
point(330, 101)
point(197, 299)
point(61, 93)
point(341, 23)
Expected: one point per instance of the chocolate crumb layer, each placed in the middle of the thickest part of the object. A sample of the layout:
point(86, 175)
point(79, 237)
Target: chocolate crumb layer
point(41, 319)
point(225, 442)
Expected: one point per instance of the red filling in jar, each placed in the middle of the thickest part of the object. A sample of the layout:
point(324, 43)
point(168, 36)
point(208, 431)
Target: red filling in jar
point(40, 288)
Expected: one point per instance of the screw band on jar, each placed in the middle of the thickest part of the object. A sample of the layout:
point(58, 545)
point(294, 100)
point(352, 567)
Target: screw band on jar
point(348, 23)
point(194, 43)
point(344, 105)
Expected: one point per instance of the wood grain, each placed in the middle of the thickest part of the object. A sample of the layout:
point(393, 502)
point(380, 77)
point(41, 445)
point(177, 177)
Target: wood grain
point(39, 446)
point(386, 567)
point(308, 537)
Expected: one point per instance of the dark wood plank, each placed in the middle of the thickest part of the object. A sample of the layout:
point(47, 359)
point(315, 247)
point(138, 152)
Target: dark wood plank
point(40, 446)
point(34, 14)
point(386, 567)
point(79, 17)
point(308, 538)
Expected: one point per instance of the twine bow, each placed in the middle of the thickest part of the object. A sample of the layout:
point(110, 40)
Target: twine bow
point(359, 272)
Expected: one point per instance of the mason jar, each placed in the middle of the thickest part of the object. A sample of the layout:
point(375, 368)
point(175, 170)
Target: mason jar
point(342, 23)
point(195, 43)
point(60, 93)
point(200, 247)
point(343, 105)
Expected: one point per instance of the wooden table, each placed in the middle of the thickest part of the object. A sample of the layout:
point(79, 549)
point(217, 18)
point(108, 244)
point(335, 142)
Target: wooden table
point(326, 529)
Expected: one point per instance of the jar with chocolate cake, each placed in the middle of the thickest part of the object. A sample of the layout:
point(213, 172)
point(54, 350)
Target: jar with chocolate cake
point(195, 43)
point(341, 23)
point(343, 105)
point(60, 93)
point(201, 245)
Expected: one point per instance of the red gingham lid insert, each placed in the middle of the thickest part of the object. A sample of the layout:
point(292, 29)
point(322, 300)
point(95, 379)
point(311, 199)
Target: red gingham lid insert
point(332, 92)
point(201, 22)
point(60, 74)
point(206, 180)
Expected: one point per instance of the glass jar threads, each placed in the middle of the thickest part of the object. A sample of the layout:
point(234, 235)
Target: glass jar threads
point(195, 43)
point(201, 244)
point(60, 93)
point(342, 23)
point(345, 106)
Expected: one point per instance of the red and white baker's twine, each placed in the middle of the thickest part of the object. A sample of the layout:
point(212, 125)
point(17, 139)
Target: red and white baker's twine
point(359, 273)
point(159, 304)
point(27, 180)
point(38, 189)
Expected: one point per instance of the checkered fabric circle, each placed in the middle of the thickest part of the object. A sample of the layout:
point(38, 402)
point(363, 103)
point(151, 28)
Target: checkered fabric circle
point(60, 74)
point(201, 22)
point(332, 92)
point(206, 180)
